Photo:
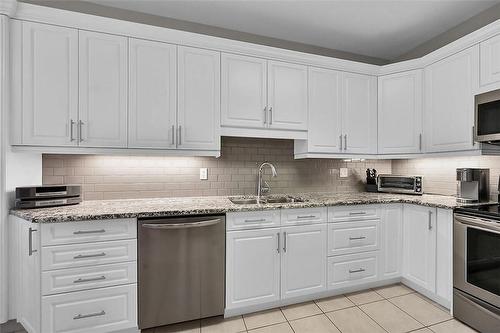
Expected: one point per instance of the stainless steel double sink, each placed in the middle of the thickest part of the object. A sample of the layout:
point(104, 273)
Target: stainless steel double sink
point(247, 200)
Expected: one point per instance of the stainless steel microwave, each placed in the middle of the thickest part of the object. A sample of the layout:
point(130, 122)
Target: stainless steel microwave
point(400, 184)
point(487, 114)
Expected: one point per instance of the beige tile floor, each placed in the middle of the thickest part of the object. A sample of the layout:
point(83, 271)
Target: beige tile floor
point(391, 309)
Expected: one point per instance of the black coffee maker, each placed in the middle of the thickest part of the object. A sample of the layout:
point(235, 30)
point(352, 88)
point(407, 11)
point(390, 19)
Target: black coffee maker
point(371, 180)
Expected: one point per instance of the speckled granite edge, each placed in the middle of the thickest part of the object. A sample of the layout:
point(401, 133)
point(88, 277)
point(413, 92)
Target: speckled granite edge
point(142, 208)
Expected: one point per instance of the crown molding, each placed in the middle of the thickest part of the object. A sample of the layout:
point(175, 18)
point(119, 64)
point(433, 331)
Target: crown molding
point(8, 7)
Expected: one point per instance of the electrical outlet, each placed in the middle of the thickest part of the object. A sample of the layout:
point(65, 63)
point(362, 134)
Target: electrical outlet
point(203, 173)
point(344, 172)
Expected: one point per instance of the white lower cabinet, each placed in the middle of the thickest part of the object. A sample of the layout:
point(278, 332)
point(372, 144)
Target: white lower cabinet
point(353, 237)
point(391, 227)
point(419, 246)
point(303, 260)
point(252, 267)
point(352, 269)
point(99, 310)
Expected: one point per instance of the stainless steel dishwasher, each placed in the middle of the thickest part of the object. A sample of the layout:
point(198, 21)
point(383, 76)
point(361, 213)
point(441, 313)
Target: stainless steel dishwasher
point(181, 269)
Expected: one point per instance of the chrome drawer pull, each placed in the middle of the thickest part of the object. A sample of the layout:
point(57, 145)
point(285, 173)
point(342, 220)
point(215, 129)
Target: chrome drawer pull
point(306, 217)
point(97, 314)
point(80, 280)
point(357, 270)
point(82, 232)
point(83, 256)
point(357, 238)
point(30, 241)
point(259, 220)
point(357, 213)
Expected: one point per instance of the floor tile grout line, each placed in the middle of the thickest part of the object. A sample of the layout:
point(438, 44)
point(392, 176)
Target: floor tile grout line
point(416, 318)
point(376, 322)
point(324, 313)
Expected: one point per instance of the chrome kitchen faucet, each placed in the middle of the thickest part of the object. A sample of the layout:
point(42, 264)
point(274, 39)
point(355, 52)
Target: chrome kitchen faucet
point(264, 188)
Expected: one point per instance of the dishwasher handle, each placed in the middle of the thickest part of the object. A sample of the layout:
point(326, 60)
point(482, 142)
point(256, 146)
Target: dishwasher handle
point(181, 225)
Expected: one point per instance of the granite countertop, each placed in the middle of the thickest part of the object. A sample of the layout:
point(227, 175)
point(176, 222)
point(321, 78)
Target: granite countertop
point(131, 208)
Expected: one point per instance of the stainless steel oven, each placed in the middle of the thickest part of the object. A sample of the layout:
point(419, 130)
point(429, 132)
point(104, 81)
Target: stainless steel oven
point(476, 271)
point(487, 114)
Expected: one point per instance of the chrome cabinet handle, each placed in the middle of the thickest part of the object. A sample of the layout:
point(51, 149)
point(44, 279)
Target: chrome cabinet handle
point(278, 237)
point(420, 142)
point(71, 124)
point(340, 138)
point(265, 115)
point(357, 238)
point(179, 135)
point(97, 314)
point(473, 135)
point(83, 232)
point(284, 242)
point(271, 115)
point(30, 241)
point(80, 130)
point(357, 270)
point(430, 220)
point(84, 256)
point(173, 135)
point(258, 220)
point(345, 141)
point(80, 280)
point(357, 213)
point(306, 216)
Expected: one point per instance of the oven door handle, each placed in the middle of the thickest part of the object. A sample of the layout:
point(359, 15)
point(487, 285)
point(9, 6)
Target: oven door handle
point(478, 222)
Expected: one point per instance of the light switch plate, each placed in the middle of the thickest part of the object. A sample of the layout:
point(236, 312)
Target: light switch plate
point(203, 173)
point(344, 172)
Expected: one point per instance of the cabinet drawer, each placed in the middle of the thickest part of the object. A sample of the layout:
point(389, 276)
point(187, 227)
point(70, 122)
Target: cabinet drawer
point(352, 269)
point(353, 237)
point(353, 213)
point(84, 278)
point(303, 216)
point(253, 219)
point(100, 310)
point(88, 231)
point(88, 254)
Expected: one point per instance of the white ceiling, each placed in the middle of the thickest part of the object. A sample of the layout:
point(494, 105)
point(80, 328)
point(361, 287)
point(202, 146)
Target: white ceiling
point(382, 29)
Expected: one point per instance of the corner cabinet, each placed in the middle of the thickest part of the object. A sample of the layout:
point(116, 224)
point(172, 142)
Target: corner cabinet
point(400, 113)
point(449, 96)
point(198, 110)
point(103, 79)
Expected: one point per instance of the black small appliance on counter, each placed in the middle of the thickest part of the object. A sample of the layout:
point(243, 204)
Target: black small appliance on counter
point(47, 196)
point(371, 180)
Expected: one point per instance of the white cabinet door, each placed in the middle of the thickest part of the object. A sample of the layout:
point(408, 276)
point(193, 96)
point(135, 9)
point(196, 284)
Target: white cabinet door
point(287, 96)
point(103, 90)
point(303, 261)
point(152, 94)
point(50, 84)
point(419, 246)
point(392, 241)
point(400, 113)
point(449, 102)
point(244, 91)
point(490, 61)
point(199, 99)
point(359, 113)
point(324, 133)
point(252, 267)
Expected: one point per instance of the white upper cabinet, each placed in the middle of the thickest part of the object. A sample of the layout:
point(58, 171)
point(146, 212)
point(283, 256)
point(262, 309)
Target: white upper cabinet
point(50, 85)
point(400, 113)
point(359, 113)
point(324, 135)
point(303, 261)
point(287, 97)
point(419, 246)
point(152, 94)
point(198, 99)
point(449, 102)
point(244, 91)
point(490, 61)
point(103, 90)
